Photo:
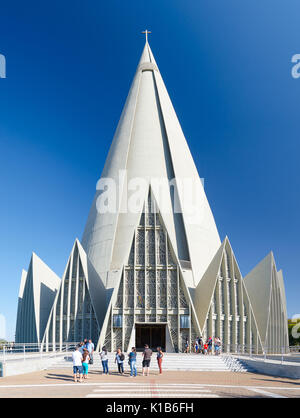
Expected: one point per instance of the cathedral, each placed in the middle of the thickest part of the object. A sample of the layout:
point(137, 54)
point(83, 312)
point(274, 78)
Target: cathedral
point(150, 267)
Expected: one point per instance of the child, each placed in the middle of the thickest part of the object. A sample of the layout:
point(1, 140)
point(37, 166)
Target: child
point(205, 348)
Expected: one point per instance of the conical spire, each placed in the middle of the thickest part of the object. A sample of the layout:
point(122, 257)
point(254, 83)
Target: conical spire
point(145, 57)
point(149, 144)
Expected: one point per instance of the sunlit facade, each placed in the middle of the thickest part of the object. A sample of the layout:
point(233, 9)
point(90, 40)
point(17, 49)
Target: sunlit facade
point(159, 275)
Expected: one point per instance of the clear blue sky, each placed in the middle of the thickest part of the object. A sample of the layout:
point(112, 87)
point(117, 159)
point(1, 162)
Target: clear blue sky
point(227, 67)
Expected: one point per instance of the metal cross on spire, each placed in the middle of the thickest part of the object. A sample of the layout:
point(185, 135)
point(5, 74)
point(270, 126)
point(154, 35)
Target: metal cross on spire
point(146, 33)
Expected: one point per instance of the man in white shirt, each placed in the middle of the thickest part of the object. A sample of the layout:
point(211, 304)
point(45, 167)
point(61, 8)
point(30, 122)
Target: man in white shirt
point(77, 364)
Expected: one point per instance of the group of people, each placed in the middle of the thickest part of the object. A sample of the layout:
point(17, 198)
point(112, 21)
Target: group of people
point(83, 356)
point(132, 360)
point(199, 346)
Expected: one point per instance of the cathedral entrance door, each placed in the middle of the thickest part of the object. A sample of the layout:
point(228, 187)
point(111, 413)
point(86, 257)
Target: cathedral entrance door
point(152, 334)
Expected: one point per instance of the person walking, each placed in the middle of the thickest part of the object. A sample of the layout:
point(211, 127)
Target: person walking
point(209, 345)
point(132, 362)
point(147, 354)
point(200, 344)
point(217, 346)
point(90, 347)
point(120, 361)
point(160, 355)
point(205, 348)
point(77, 364)
point(186, 345)
point(104, 360)
point(85, 363)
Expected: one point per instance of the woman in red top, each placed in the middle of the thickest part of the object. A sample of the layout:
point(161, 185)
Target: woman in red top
point(160, 355)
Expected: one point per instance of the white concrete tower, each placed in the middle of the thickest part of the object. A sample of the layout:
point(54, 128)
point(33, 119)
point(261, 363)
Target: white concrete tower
point(151, 267)
point(150, 145)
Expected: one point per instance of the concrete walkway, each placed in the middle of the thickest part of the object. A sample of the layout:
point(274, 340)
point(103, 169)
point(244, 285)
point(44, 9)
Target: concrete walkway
point(59, 383)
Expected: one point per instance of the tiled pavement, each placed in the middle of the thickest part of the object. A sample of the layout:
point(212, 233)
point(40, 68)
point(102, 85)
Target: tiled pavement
point(59, 383)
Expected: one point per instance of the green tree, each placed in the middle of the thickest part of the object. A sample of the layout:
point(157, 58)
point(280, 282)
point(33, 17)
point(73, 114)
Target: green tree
point(2, 343)
point(291, 324)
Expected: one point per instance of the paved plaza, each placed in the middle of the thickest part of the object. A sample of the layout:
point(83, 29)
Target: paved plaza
point(59, 384)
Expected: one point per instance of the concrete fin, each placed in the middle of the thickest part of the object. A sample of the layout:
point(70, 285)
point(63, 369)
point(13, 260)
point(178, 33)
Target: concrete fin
point(79, 306)
point(260, 278)
point(205, 288)
point(39, 285)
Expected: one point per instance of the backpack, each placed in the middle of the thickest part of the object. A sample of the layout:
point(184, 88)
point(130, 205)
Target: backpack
point(122, 357)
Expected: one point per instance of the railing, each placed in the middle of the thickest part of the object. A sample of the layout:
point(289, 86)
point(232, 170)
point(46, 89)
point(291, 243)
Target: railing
point(276, 352)
point(18, 351)
point(249, 349)
point(282, 354)
point(252, 349)
point(295, 349)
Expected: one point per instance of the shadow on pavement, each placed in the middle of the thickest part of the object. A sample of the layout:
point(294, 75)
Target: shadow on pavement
point(60, 377)
point(289, 382)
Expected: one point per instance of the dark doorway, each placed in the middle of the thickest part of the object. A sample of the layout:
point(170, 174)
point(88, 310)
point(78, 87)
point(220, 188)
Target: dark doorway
point(152, 334)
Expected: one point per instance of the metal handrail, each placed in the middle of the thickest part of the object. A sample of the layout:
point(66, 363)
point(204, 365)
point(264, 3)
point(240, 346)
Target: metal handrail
point(10, 350)
point(13, 351)
point(283, 354)
point(253, 349)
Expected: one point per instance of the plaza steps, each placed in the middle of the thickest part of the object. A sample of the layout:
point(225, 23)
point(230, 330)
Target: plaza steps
point(171, 362)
